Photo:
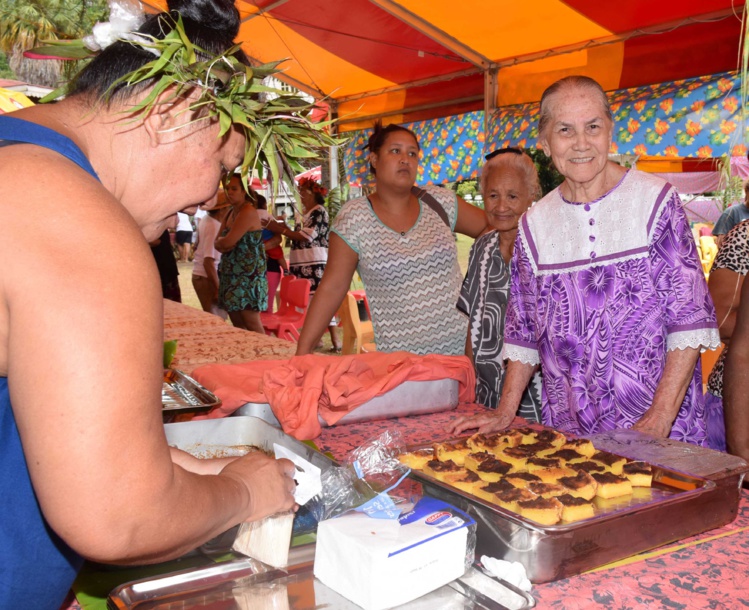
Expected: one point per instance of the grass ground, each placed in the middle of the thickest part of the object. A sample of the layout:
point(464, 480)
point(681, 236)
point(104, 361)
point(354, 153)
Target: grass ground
point(190, 299)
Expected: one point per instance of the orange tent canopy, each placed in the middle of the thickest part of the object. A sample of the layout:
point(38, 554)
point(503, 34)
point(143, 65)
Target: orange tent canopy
point(421, 59)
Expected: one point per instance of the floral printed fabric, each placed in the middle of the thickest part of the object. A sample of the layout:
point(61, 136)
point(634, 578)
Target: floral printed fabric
point(242, 284)
point(601, 330)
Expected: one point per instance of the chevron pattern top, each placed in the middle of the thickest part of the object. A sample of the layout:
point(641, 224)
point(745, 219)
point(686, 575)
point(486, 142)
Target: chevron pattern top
point(412, 279)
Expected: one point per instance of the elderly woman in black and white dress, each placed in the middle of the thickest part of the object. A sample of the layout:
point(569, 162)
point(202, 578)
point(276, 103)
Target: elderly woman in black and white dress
point(509, 185)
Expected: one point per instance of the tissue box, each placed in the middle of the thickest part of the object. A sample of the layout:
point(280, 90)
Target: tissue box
point(381, 563)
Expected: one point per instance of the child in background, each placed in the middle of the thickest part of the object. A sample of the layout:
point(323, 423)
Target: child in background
point(277, 264)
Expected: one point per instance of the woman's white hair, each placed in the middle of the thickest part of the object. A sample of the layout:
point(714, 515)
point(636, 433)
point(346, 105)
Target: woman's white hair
point(521, 162)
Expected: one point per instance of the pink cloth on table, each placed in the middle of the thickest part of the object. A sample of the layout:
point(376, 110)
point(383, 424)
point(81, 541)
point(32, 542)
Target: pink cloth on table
point(300, 389)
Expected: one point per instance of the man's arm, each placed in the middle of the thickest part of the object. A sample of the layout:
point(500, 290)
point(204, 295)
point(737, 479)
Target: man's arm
point(736, 382)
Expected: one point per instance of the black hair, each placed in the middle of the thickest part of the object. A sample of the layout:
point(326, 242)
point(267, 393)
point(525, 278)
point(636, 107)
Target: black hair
point(261, 203)
point(380, 134)
point(210, 25)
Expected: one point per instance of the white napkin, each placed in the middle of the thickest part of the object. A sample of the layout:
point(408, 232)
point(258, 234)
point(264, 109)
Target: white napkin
point(511, 571)
point(307, 476)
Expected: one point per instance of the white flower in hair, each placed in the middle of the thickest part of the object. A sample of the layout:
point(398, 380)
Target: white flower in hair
point(124, 17)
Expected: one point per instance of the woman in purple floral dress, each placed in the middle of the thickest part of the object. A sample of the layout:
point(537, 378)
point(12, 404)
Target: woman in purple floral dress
point(607, 293)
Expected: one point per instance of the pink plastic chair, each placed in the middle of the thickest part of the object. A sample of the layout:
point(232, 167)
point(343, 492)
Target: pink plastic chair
point(285, 323)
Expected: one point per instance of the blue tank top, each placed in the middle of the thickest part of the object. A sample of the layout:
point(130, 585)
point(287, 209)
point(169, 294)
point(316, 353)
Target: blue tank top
point(36, 567)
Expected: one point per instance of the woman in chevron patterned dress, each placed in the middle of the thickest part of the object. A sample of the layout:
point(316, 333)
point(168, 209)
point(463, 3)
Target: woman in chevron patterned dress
point(509, 185)
point(401, 240)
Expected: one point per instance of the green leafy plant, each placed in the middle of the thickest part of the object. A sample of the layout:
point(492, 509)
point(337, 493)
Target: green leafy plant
point(278, 133)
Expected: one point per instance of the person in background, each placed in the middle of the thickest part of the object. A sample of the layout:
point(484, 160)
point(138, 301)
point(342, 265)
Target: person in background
point(308, 256)
point(509, 185)
point(86, 468)
point(736, 382)
point(726, 280)
point(607, 292)
point(277, 264)
point(401, 240)
point(732, 216)
point(207, 258)
point(243, 287)
point(183, 236)
point(163, 254)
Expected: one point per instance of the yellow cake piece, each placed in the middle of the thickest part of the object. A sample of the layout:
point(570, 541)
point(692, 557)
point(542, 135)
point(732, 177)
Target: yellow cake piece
point(511, 438)
point(509, 499)
point(454, 450)
point(516, 456)
point(546, 490)
point(465, 480)
point(552, 475)
point(539, 463)
point(492, 443)
point(439, 469)
point(546, 511)
point(488, 491)
point(527, 435)
point(611, 485)
point(613, 463)
point(581, 485)
point(472, 460)
point(492, 469)
point(416, 460)
point(570, 456)
point(640, 474)
point(554, 437)
point(588, 466)
point(522, 479)
point(575, 509)
point(581, 445)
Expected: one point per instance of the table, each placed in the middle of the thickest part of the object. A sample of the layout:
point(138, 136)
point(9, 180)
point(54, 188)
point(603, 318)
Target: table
point(710, 570)
point(705, 571)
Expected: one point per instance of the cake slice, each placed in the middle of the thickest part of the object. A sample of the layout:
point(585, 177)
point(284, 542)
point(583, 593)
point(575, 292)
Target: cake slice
point(588, 466)
point(521, 479)
point(546, 490)
point(439, 469)
point(509, 499)
point(611, 485)
point(455, 451)
point(546, 511)
point(547, 435)
point(613, 463)
point(574, 508)
point(466, 480)
point(581, 445)
point(474, 459)
point(492, 443)
point(517, 456)
point(581, 485)
point(568, 455)
point(492, 469)
point(640, 474)
point(539, 463)
point(552, 475)
point(416, 460)
point(488, 491)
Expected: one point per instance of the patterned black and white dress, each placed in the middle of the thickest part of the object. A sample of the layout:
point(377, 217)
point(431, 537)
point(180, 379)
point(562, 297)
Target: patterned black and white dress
point(483, 298)
point(307, 259)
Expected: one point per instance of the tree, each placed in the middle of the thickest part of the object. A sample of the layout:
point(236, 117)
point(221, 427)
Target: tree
point(25, 24)
point(5, 71)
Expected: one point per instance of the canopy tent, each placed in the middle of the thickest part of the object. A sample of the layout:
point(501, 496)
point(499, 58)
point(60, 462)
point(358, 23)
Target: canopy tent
point(13, 100)
point(412, 60)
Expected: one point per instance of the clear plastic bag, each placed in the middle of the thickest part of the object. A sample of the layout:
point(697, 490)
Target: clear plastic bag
point(363, 481)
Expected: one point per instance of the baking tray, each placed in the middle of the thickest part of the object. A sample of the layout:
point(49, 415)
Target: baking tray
point(232, 436)
point(180, 393)
point(409, 398)
point(245, 585)
point(678, 505)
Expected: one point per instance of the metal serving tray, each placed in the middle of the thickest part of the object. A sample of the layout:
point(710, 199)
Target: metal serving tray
point(250, 585)
point(409, 398)
point(182, 394)
point(233, 436)
point(678, 505)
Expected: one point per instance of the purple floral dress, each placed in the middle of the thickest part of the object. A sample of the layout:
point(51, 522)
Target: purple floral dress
point(600, 292)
